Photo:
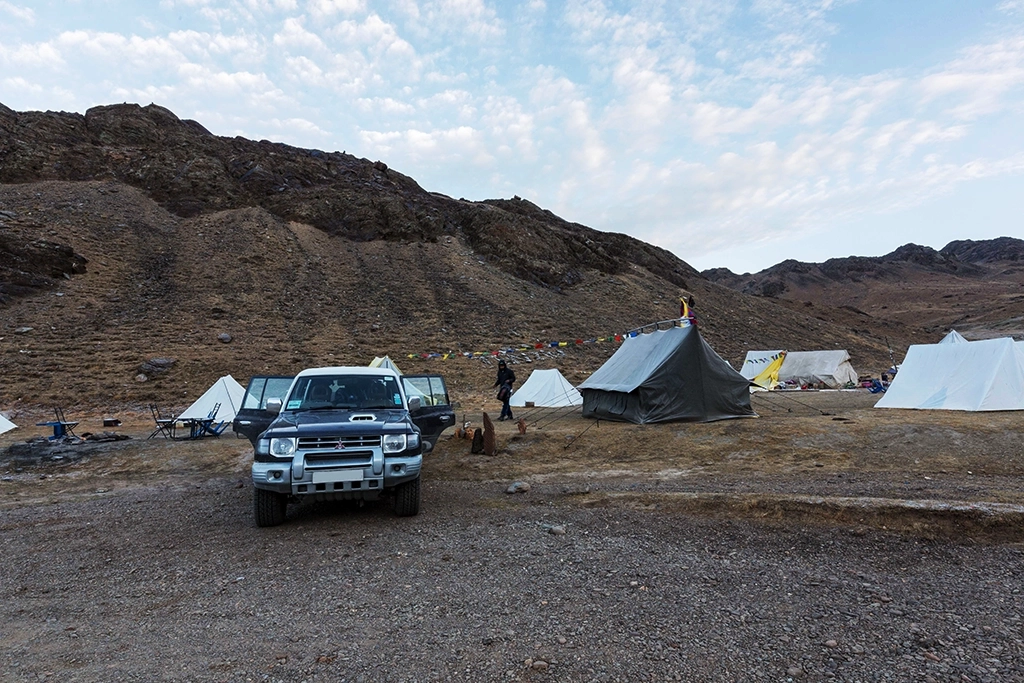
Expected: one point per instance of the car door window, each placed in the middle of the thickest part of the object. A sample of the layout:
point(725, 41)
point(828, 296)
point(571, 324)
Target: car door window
point(277, 387)
point(430, 389)
point(261, 389)
point(254, 394)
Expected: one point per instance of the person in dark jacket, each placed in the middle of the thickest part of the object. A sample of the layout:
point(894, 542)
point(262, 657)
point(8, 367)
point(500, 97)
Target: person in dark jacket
point(504, 383)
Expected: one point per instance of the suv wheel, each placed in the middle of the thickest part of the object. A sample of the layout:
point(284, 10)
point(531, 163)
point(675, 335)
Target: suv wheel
point(407, 498)
point(268, 507)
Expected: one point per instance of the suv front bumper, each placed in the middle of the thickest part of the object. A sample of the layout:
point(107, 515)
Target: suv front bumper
point(292, 477)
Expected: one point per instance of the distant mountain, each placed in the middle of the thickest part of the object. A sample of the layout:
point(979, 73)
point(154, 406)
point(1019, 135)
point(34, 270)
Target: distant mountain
point(973, 284)
point(780, 278)
point(999, 250)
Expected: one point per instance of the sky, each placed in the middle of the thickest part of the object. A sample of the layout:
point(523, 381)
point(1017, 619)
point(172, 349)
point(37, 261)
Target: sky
point(735, 134)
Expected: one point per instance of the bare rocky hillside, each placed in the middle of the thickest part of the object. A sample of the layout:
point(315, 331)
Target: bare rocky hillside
point(976, 287)
point(128, 234)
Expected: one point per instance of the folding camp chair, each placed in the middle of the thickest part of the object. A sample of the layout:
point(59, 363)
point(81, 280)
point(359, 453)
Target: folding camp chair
point(66, 428)
point(164, 425)
point(215, 429)
point(207, 427)
point(61, 427)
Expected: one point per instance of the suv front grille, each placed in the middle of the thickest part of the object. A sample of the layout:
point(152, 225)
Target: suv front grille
point(343, 459)
point(338, 443)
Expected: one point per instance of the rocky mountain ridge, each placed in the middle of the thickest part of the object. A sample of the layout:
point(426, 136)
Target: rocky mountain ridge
point(912, 285)
point(963, 258)
point(189, 171)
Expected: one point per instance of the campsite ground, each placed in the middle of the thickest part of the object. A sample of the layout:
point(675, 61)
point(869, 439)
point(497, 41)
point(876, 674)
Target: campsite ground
point(824, 541)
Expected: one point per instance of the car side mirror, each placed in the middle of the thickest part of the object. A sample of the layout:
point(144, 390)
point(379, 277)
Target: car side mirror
point(414, 404)
point(274, 405)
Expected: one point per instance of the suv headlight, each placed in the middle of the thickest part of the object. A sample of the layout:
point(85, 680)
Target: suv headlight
point(282, 448)
point(394, 443)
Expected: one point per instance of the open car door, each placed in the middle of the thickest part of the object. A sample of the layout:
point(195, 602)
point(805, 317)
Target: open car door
point(436, 413)
point(253, 419)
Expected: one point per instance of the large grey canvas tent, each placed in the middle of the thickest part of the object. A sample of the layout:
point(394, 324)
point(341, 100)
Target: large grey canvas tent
point(668, 375)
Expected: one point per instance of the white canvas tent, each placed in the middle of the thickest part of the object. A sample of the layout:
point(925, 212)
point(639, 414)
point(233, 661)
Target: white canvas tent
point(546, 389)
point(978, 375)
point(6, 425)
point(831, 368)
point(953, 337)
point(384, 362)
point(225, 391)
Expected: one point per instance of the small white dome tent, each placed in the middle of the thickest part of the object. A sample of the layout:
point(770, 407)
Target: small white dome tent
point(225, 391)
point(546, 389)
point(6, 425)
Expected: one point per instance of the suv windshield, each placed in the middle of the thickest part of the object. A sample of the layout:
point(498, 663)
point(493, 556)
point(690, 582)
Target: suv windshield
point(348, 392)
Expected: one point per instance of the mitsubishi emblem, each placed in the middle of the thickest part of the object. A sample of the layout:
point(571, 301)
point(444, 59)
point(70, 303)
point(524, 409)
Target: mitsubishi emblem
point(341, 445)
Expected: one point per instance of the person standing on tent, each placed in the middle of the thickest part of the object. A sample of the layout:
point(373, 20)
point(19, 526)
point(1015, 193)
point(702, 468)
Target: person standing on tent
point(686, 312)
point(504, 383)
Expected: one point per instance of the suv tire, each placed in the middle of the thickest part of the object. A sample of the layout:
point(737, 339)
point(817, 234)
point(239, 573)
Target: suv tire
point(268, 507)
point(407, 498)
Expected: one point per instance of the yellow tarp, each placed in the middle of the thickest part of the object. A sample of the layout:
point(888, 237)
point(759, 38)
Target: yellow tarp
point(769, 377)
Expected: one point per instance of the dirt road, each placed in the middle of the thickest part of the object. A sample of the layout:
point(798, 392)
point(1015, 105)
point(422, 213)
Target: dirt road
point(679, 552)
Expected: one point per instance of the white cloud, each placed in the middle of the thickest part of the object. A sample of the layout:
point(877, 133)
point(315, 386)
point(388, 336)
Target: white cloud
point(328, 8)
point(461, 145)
point(385, 106)
point(980, 78)
point(131, 50)
point(200, 79)
point(380, 38)
point(38, 55)
point(293, 35)
point(304, 71)
point(22, 84)
point(25, 14)
point(510, 127)
point(460, 20)
point(171, 4)
point(298, 128)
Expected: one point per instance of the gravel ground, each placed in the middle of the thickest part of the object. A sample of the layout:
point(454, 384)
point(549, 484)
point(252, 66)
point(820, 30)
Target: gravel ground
point(174, 582)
